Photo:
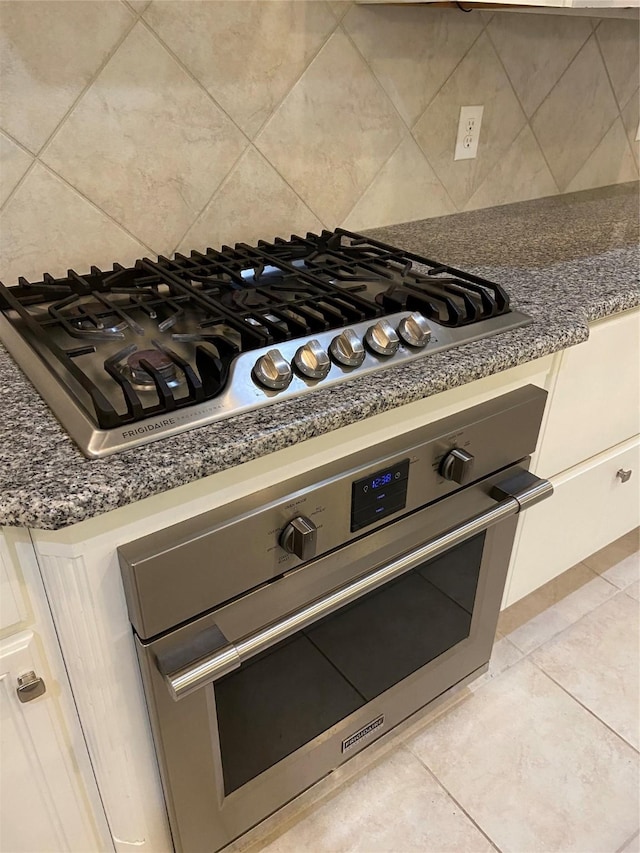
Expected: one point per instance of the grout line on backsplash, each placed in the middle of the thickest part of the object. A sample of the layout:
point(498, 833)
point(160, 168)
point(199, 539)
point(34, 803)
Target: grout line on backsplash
point(215, 192)
point(94, 77)
point(98, 208)
point(249, 140)
point(277, 106)
point(527, 119)
point(448, 77)
point(591, 35)
point(451, 796)
point(606, 69)
point(615, 97)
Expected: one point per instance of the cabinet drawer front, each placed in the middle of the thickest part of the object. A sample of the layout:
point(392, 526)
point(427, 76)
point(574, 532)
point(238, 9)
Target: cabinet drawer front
point(591, 506)
point(596, 399)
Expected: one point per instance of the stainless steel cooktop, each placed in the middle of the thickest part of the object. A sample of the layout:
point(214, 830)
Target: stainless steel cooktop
point(131, 355)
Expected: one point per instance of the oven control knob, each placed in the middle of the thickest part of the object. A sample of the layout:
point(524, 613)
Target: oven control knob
point(272, 371)
point(299, 537)
point(312, 361)
point(457, 465)
point(347, 349)
point(414, 330)
point(382, 338)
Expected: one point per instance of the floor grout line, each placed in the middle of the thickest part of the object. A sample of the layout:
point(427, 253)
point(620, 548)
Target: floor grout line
point(449, 794)
point(627, 842)
point(582, 705)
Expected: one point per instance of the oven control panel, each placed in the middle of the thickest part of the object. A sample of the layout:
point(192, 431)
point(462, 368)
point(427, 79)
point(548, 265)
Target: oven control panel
point(379, 494)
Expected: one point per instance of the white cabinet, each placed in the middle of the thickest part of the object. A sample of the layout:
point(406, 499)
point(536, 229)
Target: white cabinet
point(589, 434)
point(591, 506)
point(49, 802)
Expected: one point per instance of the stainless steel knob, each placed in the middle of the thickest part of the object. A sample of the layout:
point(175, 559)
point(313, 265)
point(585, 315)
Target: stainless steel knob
point(414, 330)
point(457, 465)
point(30, 686)
point(300, 537)
point(382, 338)
point(312, 361)
point(272, 371)
point(624, 475)
point(347, 349)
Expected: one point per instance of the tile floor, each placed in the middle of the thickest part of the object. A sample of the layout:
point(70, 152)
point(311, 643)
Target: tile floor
point(539, 754)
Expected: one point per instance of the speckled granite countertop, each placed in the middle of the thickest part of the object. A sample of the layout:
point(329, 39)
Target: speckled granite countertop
point(565, 260)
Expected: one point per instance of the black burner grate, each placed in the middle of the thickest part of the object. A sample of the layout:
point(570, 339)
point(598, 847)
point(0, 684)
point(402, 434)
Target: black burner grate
point(196, 313)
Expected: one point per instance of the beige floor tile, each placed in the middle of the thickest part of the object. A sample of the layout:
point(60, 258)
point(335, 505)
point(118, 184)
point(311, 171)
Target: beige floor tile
point(633, 590)
point(554, 607)
point(395, 806)
point(597, 660)
point(533, 768)
point(619, 562)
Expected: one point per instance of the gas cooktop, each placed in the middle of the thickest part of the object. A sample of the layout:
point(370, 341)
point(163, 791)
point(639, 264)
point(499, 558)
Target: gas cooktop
point(134, 354)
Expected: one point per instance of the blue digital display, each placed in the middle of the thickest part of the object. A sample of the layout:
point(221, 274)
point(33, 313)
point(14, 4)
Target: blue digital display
point(382, 480)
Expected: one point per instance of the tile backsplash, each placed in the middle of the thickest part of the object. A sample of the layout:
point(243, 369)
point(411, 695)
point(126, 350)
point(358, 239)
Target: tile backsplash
point(132, 128)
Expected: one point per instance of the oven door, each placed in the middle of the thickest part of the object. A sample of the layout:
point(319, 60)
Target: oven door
point(254, 702)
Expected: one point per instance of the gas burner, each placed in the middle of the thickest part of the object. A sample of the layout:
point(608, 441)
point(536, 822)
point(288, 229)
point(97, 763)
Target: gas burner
point(95, 315)
point(157, 361)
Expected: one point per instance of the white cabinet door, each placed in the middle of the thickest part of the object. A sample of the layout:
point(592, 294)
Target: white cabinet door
point(590, 507)
point(43, 806)
point(595, 402)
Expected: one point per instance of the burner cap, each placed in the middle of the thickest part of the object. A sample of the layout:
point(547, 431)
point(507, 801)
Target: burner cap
point(157, 359)
point(102, 318)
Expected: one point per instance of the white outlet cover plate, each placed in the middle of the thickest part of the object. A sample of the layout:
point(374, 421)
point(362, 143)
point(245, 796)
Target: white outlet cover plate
point(468, 133)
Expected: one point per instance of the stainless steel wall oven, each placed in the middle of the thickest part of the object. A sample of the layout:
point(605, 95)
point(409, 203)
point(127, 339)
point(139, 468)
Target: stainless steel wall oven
point(282, 633)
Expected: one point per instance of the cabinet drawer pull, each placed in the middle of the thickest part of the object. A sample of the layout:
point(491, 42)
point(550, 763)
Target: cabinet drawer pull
point(624, 475)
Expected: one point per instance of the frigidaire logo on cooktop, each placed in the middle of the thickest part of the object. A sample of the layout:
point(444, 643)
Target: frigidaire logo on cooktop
point(244, 327)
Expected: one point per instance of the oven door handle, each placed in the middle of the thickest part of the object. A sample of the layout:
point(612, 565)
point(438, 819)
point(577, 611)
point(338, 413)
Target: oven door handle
point(514, 494)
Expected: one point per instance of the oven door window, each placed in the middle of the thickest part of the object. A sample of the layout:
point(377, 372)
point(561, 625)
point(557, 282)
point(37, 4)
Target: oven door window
point(298, 689)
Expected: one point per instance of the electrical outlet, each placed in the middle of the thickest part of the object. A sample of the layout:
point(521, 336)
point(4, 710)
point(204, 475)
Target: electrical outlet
point(468, 133)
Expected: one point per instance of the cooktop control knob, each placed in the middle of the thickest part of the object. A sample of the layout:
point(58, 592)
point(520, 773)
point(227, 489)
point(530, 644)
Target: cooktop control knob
point(414, 330)
point(312, 361)
point(346, 348)
point(272, 371)
point(457, 465)
point(382, 338)
point(300, 537)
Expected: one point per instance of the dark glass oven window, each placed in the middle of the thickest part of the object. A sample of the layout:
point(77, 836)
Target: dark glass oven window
point(286, 697)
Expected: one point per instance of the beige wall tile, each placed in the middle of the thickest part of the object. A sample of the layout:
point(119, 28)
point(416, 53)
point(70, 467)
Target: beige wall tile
point(521, 174)
point(566, 139)
point(611, 163)
point(247, 54)
point(479, 79)
point(536, 50)
point(48, 53)
point(146, 143)
point(598, 661)
point(333, 132)
point(406, 188)
point(395, 806)
point(533, 768)
point(48, 227)
point(14, 162)
point(254, 203)
point(420, 49)
point(631, 118)
point(620, 45)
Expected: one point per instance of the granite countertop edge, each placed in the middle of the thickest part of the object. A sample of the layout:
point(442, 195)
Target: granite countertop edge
point(49, 485)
